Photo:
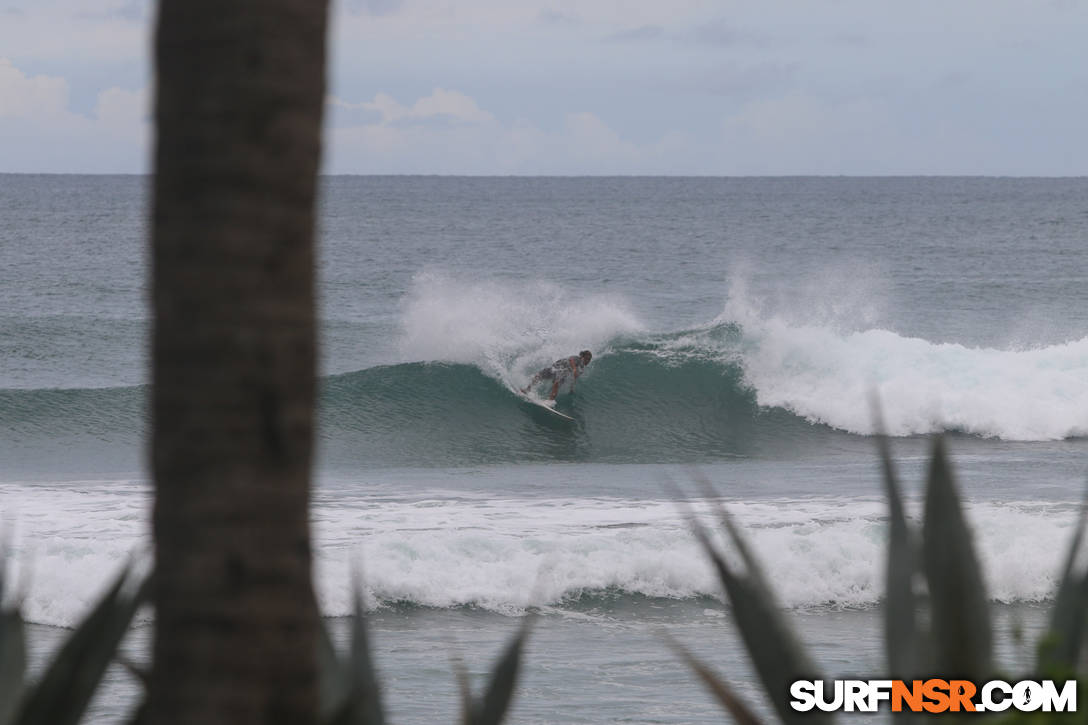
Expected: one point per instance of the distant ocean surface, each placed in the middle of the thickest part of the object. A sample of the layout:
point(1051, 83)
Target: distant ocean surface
point(738, 325)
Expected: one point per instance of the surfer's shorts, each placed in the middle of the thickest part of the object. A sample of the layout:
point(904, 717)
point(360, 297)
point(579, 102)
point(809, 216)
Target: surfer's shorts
point(558, 373)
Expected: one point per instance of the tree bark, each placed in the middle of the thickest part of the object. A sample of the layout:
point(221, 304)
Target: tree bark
point(240, 90)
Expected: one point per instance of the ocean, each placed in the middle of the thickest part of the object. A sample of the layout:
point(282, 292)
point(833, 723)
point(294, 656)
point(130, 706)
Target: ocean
point(738, 327)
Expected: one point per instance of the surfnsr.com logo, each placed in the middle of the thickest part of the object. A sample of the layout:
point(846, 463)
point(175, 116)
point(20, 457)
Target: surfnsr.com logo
point(933, 695)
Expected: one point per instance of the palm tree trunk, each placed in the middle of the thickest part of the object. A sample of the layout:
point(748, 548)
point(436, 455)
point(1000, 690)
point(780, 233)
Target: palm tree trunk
point(238, 112)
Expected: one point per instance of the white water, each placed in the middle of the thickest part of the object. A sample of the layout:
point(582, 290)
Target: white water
point(503, 554)
point(808, 363)
point(508, 330)
point(826, 375)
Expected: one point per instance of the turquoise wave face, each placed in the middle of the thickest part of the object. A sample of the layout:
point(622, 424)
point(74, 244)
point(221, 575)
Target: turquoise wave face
point(712, 393)
point(629, 406)
point(699, 395)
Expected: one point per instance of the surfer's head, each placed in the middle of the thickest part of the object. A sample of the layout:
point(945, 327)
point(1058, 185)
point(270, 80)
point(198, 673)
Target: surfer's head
point(586, 356)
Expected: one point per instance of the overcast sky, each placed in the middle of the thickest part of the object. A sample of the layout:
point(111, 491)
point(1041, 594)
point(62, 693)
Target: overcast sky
point(992, 87)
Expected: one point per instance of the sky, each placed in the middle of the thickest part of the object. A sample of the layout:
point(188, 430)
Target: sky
point(601, 87)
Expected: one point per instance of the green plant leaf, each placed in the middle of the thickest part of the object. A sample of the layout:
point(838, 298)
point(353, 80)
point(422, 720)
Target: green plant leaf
point(349, 691)
point(728, 699)
point(12, 659)
point(334, 681)
point(366, 690)
point(492, 707)
point(62, 693)
point(777, 655)
point(902, 639)
point(751, 564)
point(962, 633)
point(12, 647)
point(464, 689)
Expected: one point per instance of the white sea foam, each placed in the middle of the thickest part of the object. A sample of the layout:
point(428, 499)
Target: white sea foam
point(69, 541)
point(506, 554)
point(826, 374)
point(822, 362)
point(508, 329)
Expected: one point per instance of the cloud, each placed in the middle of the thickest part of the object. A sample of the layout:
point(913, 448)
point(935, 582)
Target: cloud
point(136, 11)
point(118, 109)
point(400, 141)
point(722, 34)
point(452, 104)
point(23, 96)
point(40, 133)
point(783, 131)
point(441, 104)
point(549, 16)
point(637, 35)
point(715, 33)
point(801, 133)
point(88, 33)
point(736, 80)
point(597, 140)
point(533, 87)
point(849, 40)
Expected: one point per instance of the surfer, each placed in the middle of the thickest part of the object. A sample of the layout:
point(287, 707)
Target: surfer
point(560, 370)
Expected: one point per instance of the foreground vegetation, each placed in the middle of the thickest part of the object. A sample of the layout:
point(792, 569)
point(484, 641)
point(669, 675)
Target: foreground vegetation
point(937, 621)
point(349, 688)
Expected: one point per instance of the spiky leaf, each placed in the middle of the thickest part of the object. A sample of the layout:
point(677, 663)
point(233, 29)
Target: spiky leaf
point(492, 708)
point(62, 693)
point(776, 653)
point(12, 660)
point(464, 689)
point(962, 632)
point(722, 692)
point(902, 640)
point(364, 677)
point(334, 684)
point(349, 693)
point(12, 647)
point(751, 564)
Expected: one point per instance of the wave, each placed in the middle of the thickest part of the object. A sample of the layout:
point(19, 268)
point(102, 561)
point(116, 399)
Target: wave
point(632, 407)
point(747, 384)
point(504, 554)
point(507, 555)
point(720, 391)
point(1028, 394)
point(75, 430)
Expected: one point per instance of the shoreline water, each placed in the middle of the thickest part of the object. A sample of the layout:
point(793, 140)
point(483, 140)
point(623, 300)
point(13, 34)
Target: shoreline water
point(603, 664)
point(504, 537)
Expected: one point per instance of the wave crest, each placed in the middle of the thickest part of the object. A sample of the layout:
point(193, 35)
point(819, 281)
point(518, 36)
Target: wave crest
point(733, 388)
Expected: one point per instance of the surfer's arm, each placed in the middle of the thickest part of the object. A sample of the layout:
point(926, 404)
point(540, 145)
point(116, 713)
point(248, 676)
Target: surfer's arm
point(573, 362)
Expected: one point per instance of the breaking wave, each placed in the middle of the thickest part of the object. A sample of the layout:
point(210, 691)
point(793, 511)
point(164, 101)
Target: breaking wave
point(741, 385)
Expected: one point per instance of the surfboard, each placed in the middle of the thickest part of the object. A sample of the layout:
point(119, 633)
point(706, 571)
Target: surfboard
point(542, 404)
